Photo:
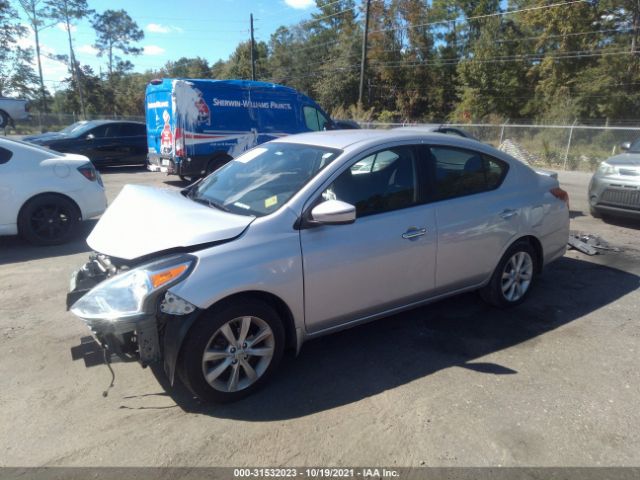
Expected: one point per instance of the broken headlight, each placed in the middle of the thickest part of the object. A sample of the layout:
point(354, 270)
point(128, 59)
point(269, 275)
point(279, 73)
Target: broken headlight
point(125, 294)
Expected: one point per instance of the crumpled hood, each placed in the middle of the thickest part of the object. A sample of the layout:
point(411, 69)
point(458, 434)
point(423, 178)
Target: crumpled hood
point(144, 220)
point(625, 160)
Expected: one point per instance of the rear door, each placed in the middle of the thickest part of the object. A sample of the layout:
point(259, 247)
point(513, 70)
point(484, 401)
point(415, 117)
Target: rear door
point(130, 143)
point(159, 118)
point(383, 260)
point(476, 217)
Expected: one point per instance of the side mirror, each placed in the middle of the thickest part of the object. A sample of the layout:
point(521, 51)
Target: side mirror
point(90, 136)
point(624, 146)
point(333, 212)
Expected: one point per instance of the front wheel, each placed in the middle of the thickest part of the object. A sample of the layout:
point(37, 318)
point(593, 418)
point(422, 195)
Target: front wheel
point(231, 352)
point(512, 278)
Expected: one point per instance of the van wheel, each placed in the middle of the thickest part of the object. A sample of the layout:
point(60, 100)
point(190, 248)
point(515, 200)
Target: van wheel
point(512, 278)
point(48, 220)
point(232, 352)
point(215, 163)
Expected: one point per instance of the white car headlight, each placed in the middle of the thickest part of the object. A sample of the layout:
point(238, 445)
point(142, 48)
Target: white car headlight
point(124, 295)
point(607, 169)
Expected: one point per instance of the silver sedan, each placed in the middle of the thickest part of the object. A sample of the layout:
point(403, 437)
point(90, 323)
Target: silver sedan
point(307, 235)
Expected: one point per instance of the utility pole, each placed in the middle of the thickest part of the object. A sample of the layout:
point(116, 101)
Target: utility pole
point(253, 59)
point(364, 51)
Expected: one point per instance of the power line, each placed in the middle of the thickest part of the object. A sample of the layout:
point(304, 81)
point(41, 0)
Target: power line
point(477, 17)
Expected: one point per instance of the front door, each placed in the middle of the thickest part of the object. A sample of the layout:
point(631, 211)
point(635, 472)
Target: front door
point(386, 258)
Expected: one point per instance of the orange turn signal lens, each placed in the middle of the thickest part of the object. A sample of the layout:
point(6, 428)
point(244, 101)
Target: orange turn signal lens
point(560, 194)
point(160, 278)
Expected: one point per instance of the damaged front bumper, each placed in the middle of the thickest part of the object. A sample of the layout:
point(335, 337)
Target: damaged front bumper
point(129, 338)
point(153, 334)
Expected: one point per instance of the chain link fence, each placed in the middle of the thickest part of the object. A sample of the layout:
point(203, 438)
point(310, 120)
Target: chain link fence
point(562, 147)
point(53, 122)
point(565, 147)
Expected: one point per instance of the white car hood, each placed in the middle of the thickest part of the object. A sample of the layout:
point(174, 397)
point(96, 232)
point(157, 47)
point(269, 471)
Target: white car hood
point(143, 220)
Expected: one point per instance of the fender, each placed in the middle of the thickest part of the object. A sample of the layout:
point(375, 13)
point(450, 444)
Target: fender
point(176, 329)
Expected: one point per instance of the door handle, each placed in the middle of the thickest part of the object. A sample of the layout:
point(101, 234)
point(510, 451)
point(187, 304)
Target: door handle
point(414, 232)
point(508, 213)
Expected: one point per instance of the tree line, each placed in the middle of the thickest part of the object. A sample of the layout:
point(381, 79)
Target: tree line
point(438, 60)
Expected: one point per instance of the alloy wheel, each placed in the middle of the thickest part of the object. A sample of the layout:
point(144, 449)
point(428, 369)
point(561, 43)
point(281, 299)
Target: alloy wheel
point(517, 276)
point(238, 354)
point(50, 222)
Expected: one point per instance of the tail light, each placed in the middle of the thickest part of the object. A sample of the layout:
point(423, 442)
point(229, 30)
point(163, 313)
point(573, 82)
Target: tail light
point(88, 171)
point(560, 194)
point(179, 142)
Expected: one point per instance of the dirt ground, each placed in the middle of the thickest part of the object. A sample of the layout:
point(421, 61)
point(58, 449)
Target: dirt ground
point(553, 382)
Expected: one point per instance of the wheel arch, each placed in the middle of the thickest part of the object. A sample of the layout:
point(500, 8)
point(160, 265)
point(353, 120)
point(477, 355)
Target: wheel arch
point(220, 158)
point(40, 194)
point(173, 345)
point(537, 247)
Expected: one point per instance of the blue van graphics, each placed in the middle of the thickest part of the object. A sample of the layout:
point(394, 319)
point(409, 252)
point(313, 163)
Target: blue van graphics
point(195, 126)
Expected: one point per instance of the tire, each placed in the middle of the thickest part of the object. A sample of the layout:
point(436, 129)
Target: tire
point(512, 279)
point(216, 362)
point(48, 219)
point(4, 119)
point(215, 163)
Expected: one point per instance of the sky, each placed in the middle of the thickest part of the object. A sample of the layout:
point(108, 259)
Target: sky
point(172, 29)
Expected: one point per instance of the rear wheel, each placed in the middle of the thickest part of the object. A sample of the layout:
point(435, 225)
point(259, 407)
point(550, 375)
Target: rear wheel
point(513, 277)
point(232, 352)
point(48, 220)
point(215, 163)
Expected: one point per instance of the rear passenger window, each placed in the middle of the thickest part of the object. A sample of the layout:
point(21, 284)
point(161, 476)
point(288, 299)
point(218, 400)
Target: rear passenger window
point(5, 155)
point(463, 172)
point(384, 181)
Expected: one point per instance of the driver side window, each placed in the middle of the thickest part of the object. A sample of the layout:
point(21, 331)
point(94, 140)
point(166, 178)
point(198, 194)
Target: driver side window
point(313, 119)
point(381, 182)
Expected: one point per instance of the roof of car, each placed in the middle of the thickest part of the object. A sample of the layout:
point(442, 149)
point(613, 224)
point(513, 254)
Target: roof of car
point(103, 122)
point(342, 139)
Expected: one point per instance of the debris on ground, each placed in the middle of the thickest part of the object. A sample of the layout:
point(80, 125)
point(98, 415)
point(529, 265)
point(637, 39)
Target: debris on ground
point(590, 244)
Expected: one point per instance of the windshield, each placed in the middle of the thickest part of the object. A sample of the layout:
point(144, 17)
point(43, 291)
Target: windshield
point(84, 128)
point(73, 127)
point(263, 179)
point(635, 147)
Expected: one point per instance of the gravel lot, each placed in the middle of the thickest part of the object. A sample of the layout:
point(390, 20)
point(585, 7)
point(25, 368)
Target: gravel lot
point(553, 382)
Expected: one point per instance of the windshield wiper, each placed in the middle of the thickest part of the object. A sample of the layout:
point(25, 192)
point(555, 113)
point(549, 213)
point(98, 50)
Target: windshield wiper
point(210, 203)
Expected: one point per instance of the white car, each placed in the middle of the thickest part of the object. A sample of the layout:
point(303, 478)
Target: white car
point(45, 194)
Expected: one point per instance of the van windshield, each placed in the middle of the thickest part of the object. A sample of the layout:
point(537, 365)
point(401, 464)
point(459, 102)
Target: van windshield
point(263, 179)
